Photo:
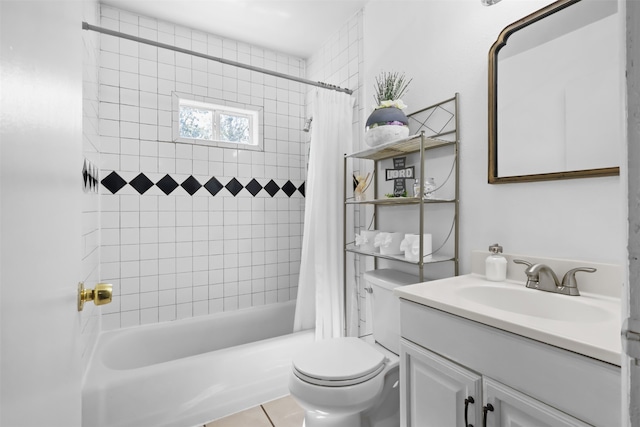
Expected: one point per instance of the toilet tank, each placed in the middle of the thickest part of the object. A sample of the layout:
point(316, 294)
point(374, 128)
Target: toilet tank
point(385, 306)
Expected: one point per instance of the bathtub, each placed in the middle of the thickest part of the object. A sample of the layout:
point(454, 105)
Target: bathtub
point(189, 372)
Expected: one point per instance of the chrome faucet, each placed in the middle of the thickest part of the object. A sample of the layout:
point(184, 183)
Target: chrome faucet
point(542, 277)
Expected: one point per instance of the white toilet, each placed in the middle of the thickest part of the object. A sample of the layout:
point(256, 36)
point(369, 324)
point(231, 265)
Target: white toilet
point(350, 382)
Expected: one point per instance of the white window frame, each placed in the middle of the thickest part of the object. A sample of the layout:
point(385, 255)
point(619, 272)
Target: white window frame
point(254, 114)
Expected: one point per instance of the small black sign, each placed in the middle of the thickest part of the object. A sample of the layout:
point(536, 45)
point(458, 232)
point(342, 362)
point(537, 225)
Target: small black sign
point(399, 173)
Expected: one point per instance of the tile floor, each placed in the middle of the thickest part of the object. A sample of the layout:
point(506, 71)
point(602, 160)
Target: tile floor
point(283, 412)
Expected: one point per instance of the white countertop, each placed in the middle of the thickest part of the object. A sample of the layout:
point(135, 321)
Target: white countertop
point(595, 333)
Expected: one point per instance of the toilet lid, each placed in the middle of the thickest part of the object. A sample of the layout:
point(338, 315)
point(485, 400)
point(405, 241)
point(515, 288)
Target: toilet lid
point(338, 362)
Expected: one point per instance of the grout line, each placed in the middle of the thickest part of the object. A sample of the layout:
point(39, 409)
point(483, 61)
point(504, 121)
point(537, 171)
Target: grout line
point(268, 417)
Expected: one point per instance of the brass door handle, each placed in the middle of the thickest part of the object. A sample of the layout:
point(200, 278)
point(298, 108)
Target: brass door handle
point(100, 295)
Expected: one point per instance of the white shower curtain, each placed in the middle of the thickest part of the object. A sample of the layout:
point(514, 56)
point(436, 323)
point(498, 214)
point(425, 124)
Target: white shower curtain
point(320, 288)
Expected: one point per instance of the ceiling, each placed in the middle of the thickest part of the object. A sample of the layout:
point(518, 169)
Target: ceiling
point(295, 27)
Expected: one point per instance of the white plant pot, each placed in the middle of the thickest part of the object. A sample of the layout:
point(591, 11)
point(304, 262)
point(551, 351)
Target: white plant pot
point(382, 134)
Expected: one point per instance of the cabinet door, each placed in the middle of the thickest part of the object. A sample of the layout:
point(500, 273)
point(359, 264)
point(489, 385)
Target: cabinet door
point(510, 408)
point(433, 390)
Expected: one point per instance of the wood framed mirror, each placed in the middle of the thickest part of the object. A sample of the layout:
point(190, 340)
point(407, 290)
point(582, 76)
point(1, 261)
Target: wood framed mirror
point(556, 94)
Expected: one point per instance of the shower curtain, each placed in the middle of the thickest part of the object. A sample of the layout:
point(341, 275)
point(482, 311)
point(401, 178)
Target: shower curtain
point(320, 287)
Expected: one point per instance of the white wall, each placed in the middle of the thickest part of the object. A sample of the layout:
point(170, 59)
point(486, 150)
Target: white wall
point(443, 45)
point(181, 255)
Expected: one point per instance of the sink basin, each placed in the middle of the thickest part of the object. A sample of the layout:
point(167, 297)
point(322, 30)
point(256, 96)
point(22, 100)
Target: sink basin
point(535, 303)
point(588, 324)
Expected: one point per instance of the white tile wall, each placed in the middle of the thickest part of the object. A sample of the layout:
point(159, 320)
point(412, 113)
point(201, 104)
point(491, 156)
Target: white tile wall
point(340, 62)
point(90, 316)
point(177, 256)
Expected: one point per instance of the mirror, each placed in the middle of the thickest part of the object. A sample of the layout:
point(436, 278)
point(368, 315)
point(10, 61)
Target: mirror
point(555, 94)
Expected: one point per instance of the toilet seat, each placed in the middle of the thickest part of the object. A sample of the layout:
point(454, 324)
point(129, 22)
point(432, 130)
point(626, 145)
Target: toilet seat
point(338, 362)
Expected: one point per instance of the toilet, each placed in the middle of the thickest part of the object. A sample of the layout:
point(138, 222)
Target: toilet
point(353, 382)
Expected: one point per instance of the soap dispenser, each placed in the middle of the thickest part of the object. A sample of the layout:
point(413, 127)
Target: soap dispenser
point(496, 264)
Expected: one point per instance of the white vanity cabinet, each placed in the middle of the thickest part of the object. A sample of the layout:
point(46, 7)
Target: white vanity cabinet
point(446, 359)
point(435, 391)
point(510, 408)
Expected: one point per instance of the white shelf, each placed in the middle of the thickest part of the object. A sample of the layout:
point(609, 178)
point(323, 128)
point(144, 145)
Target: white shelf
point(399, 147)
point(400, 257)
point(394, 201)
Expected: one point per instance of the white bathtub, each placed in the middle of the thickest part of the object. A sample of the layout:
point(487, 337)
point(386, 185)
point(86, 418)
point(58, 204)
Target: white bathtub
point(188, 372)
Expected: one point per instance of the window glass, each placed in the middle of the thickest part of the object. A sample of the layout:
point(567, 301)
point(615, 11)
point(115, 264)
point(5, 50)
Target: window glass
point(234, 128)
point(199, 122)
point(196, 123)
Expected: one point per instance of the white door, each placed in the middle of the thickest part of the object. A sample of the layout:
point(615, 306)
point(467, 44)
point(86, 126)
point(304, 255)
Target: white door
point(436, 392)
point(40, 190)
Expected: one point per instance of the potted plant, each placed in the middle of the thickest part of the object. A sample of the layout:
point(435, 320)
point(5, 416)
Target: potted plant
point(388, 122)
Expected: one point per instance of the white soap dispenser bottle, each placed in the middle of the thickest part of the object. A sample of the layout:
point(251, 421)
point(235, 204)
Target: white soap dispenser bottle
point(496, 264)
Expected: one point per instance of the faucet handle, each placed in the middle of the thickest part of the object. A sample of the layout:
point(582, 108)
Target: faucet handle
point(532, 279)
point(569, 279)
point(523, 262)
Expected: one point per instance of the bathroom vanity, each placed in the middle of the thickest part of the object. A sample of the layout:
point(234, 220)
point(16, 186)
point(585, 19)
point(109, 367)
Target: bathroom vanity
point(480, 353)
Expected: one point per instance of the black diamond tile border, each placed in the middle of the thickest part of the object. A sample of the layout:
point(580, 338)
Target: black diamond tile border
point(234, 186)
point(213, 186)
point(90, 176)
point(191, 185)
point(113, 182)
point(167, 184)
point(272, 188)
point(289, 188)
point(141, 183)
point(85, 174)
point(253, 187)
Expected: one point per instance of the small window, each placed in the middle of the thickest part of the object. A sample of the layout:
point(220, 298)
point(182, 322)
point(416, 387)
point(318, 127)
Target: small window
point(201, 122)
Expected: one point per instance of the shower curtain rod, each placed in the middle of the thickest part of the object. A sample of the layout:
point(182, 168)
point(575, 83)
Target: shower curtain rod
point(86, 26)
